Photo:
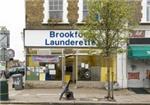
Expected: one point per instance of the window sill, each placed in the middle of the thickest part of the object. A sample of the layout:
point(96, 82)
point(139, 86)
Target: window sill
point(145, 23)
point(63, 23)
point(51, 23)
point(81, 22)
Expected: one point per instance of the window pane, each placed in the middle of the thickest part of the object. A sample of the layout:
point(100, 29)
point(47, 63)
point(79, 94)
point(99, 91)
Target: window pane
point(51, 7)
point(84, 5)
point(88, 70)
point(60, 7)
point(85, 9)
point(51, 2)
point(55, 9)
point(148, 2)
point(148, 13)
point(55, 14)
point(60, 2)
point(56, 2)
point(85, 13)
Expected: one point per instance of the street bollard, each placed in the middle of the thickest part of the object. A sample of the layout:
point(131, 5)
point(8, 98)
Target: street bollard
point(4, 96)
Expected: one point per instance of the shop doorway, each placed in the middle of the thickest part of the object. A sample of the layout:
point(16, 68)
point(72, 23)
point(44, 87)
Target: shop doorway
point(138, 74)
point(70, 73)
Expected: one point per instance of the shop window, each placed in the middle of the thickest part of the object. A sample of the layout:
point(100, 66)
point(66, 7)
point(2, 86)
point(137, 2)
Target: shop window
point(44, 68)
point(89, 68)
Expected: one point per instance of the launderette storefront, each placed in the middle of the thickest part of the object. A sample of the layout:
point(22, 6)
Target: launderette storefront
point(55, 56)
point(138, 69)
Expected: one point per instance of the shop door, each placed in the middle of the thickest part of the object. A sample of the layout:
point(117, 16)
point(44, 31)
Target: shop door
point(146, 79)
point(70, 69)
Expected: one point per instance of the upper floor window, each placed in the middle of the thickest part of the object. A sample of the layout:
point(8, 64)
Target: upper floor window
point(145, 11)
point(55, 10)
point(85, 9)
point(148, 10)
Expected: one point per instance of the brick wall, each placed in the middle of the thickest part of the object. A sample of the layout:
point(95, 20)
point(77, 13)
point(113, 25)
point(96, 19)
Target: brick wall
point(137, 15)
point(34, 13)
point(73, 11)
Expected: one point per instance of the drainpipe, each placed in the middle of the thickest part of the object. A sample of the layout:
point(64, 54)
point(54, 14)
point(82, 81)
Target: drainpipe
point(63, 67)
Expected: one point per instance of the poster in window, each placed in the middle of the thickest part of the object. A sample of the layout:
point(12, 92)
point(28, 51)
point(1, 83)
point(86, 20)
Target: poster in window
point(133, 75)
point(86, 66)
point(42, 76)
point(147, 74)
point(82, 65)
point(51, 66)
point(52, 72)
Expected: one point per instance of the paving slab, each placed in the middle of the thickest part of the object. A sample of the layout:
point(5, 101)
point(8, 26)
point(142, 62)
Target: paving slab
point(87, 96)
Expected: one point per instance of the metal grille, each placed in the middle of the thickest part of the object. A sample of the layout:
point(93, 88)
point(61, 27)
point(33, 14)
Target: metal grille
point(95, 73)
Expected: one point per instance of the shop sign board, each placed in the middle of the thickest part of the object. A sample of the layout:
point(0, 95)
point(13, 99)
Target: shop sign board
point(48, 58)
point(4, 39)
point(137, 34)
point(55, 38)
point(133, 75)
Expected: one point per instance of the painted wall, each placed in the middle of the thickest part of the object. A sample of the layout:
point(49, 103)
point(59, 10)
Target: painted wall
point(112, 68)
point(121, 70)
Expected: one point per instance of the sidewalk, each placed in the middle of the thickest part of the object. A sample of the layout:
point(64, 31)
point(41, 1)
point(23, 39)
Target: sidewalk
point(82, 95)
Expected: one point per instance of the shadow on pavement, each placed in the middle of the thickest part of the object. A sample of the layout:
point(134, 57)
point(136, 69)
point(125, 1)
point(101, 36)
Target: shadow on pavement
point(139, 90)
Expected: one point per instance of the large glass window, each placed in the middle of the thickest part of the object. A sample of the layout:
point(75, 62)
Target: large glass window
point(56, 9)
point(43, 65)
point(89, 68)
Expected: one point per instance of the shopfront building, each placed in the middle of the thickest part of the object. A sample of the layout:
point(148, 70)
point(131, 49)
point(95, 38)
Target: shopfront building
point(138, 68)
point(57, 56)
point(55, 52)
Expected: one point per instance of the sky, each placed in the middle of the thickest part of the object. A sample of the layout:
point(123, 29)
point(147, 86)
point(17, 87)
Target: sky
point(12, 15)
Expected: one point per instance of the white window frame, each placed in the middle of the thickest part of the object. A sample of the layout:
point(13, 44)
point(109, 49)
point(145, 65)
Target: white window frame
point(144, 11)
point(80, 11)
point(46, 12)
